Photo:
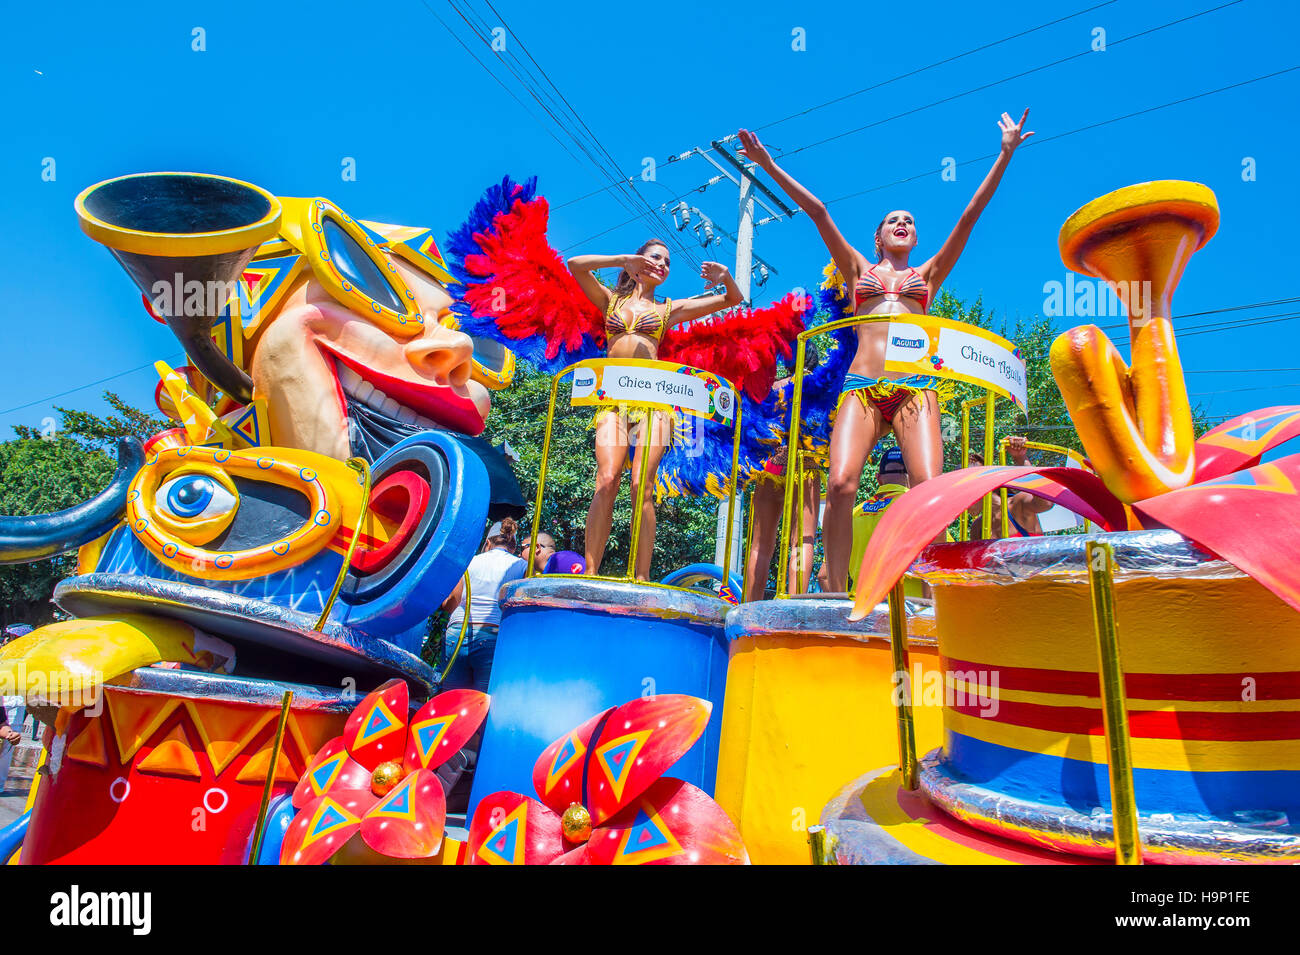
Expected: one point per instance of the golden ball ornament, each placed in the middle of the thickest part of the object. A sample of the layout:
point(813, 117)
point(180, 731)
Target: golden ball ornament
point(576, 823)
point(385, 777)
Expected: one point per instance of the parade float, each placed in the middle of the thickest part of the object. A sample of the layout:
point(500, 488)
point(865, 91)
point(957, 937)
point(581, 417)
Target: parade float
point(240, 679)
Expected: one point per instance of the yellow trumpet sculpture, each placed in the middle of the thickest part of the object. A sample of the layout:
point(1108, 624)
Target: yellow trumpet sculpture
point(1135, 421)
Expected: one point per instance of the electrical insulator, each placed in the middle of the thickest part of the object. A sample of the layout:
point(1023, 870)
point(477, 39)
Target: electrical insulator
point(762, 275)
point(686, 214)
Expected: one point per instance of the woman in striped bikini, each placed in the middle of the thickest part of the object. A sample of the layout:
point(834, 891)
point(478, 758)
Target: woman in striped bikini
point(910, 405)
point(635, 322)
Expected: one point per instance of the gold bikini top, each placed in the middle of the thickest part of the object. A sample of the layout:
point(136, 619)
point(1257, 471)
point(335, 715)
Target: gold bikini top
point(652, 322)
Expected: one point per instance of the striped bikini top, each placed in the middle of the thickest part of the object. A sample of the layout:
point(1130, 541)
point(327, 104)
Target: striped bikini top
point(912, 285)
point(652, 322)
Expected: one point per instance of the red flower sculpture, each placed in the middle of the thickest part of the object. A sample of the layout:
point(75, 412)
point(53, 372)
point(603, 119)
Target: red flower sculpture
point(377, 778)
point(603, 801)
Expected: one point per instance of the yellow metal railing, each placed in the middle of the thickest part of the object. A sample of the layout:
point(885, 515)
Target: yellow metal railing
point(988, 401)
point(1034, 446)
point(638, 504)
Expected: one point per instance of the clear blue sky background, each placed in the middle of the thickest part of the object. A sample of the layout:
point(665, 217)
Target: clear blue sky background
point(284, 92)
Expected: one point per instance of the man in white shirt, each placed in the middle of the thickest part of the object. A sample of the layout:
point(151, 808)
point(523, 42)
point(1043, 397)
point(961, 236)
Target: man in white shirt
point(489, 571)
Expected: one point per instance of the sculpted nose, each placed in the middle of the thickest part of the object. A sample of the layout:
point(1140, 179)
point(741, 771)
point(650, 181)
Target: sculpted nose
point(444, 354)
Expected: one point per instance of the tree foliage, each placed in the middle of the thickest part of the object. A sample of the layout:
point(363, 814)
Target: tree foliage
point(51, 469)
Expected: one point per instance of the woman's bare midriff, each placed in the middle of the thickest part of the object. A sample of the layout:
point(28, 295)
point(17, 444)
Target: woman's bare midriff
point(631, 345)
point(872, 338)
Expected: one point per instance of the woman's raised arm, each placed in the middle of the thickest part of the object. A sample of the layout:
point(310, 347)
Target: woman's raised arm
point(715, 273)
point(847, 259)
point(937, 269)
point(582, 267)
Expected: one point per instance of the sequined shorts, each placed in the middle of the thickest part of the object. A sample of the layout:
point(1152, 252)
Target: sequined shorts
point(890, 394)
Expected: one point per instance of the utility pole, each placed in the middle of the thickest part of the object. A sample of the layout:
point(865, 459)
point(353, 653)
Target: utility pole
point(745, 237)
point(751, 191)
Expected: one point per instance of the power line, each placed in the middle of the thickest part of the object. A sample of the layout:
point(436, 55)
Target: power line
point(557, 121)
point(1230, 391)
point(1235, 371)
point(630, 221)
point(584, 138)
point(1233, 326)
point(89, 384)
point(530, 85)
point(937, 63)
point(874, 86)
point(499, 82)
point(1217, 311)
point(1007, 79)
point(1047, 139)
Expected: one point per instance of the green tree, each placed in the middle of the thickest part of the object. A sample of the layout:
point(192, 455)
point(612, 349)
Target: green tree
point(48, 470)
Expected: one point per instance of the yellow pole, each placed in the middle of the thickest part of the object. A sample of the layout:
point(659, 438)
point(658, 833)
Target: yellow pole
point(965, 462)
point(541, 471)
point(819, 846)
point(260, 829)
point(798, 544)
point(902, 687)
point(1124, 816)
point(731, 504)
point(796, 408)
point(647, 435)
point(749, 545)
point(1006, 518)
point(464, 626)
point(986, 529)
point(363, 466)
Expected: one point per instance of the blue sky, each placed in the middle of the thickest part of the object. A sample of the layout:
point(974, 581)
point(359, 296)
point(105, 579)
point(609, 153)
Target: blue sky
point(283, 93)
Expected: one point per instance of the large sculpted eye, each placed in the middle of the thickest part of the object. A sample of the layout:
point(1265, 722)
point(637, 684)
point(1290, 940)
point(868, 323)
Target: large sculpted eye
point(359, 267)
point(195, 497)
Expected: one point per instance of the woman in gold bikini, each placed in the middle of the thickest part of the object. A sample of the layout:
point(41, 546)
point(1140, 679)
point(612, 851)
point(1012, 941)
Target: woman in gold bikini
point(909, 406)
point(635, 323)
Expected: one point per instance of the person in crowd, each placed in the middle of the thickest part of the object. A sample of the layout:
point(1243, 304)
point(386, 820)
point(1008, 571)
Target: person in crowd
point(7, 733)
point(489, 571)
point(545, 548)
point(1023, 508)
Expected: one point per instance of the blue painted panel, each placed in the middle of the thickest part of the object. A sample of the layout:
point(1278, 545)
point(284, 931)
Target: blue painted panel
point(1083, 785)
point(555, 668)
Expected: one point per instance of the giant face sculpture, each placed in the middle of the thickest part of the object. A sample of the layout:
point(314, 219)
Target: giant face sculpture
point(346, 335)
point(316, 338)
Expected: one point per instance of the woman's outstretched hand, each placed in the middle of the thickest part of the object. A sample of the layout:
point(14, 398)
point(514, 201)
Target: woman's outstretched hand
point(714, 273)
point(1011, 132)
point(753, 150)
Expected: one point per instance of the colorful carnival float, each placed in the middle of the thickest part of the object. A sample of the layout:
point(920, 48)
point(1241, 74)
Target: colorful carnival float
point(240, 679)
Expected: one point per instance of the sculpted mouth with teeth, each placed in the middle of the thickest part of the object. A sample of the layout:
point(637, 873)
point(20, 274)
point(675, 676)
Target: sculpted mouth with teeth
point(358, 389)
point(383, 386)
